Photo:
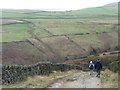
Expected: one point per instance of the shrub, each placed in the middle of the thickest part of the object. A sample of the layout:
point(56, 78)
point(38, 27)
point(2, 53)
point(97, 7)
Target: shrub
point(114, 66)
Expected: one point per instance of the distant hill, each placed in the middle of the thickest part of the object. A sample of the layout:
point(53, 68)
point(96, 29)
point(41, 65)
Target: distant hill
point(111, 5)
point(106, 11)
point(110, 10)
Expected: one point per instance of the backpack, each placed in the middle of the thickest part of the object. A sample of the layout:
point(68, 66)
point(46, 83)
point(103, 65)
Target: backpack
point(91, 66)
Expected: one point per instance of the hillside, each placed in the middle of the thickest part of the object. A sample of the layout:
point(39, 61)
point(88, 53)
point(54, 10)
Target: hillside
point(111, 5)
point(104, 11)
point(30, 36)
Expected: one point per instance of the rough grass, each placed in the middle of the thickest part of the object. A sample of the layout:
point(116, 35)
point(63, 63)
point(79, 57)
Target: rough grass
point(40, 81)
point(21, 53)
point(87, 41)
point(63, 46)
point(109, 79)
point(114, 66)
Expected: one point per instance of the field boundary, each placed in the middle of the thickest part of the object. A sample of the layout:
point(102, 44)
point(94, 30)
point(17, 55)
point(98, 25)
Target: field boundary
point(15, 73)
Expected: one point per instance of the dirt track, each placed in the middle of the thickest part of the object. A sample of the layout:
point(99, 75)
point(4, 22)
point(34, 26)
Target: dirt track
point(79, 80)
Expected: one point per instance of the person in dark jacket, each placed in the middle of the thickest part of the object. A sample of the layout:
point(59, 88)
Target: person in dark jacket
point(98, 67)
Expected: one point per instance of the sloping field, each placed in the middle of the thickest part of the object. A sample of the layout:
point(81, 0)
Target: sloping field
point(100, 42)
point(87, 41)
point(65, 47)
point(110, 41)
point(24, 53)
point(70, 26)
point(57, 36)
point(58, 48)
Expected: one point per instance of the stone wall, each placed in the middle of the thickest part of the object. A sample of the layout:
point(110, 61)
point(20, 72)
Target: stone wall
point(14, 73)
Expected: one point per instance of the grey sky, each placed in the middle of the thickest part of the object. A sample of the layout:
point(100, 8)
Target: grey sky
point(53, 4)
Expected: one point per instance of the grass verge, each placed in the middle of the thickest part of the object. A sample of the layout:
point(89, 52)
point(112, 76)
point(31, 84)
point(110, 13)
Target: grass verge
point(109, 79)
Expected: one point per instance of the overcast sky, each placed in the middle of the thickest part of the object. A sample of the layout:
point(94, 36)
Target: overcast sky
point(52, 4)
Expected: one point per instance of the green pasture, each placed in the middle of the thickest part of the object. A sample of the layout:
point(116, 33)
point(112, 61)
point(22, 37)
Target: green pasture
point(67, 26)
point(48, 27)
point(15, 32)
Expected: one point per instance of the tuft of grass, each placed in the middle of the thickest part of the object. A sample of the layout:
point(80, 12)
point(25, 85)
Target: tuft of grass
point(109, 79)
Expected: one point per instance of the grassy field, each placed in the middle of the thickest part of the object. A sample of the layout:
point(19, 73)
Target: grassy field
point(15, 32)
point(66, 26)
point(49, 27)
point(45, 24)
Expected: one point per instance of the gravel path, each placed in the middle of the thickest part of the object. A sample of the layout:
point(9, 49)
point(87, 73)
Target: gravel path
point(79, 80)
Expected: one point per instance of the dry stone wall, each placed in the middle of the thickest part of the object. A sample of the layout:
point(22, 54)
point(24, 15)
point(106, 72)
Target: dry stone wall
point(14, 73)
